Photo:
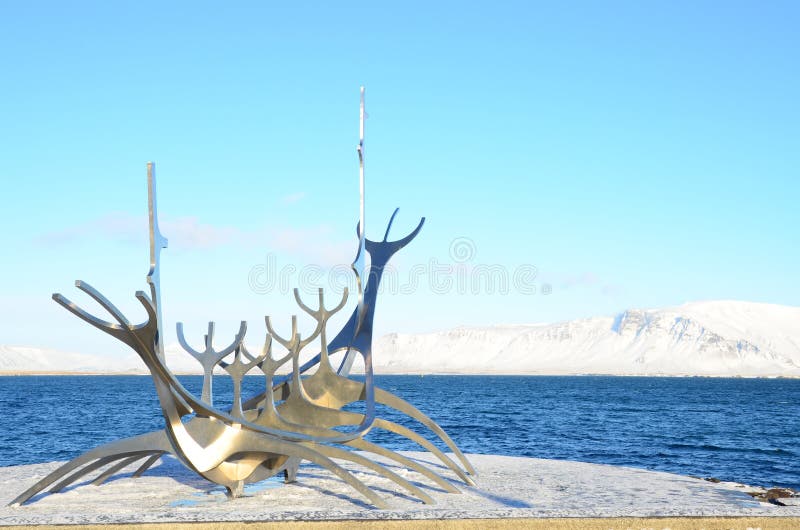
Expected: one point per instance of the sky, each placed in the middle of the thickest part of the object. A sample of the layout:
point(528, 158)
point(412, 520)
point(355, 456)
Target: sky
point(572, 159)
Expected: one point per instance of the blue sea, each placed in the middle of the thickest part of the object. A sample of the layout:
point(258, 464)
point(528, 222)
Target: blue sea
point(744, 430)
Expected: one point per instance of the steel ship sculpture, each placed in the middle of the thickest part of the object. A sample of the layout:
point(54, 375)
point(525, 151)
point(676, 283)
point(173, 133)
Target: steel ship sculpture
point(297, 417)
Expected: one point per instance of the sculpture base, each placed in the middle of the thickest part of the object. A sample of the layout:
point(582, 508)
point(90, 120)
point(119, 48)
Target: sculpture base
point(508, 488)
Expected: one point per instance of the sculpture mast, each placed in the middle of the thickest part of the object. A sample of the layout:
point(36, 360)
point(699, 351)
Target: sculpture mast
point(360, 262)
point(157, 242)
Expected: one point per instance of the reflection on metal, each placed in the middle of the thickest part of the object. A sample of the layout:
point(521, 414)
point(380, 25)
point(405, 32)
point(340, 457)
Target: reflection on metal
point(157, 242)
point(360, 262)
point(299, 416)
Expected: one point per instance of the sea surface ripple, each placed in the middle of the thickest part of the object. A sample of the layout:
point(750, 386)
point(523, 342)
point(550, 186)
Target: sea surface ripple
point(743, 430)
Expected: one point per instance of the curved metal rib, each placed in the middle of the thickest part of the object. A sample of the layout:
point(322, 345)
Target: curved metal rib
point(126, 460)
point(333, 452)
point(147, 465)
point(154, 440)
point(310, 452)
point(364, 445)
point(414, 437)
point(332, 390)
point(97, 464)
point(295, 410)
point(115, 330)
point(107, 474)
point(400, 405)
point(400, 243)
point(104, 302)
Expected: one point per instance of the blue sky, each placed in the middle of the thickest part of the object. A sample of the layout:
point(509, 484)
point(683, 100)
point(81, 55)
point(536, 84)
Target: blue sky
point(636, 154)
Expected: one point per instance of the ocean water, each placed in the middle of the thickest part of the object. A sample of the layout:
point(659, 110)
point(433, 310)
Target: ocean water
point(744, 430)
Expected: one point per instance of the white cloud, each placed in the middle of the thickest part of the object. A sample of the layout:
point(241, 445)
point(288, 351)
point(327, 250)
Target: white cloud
point(185, 233)
point(293, 197)
point(316, 244)
point(312, 244)
point(190, 234)
point(118, 226)
point(589, 280)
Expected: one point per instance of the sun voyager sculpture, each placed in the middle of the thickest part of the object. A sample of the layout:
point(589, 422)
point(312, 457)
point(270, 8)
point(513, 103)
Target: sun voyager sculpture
point(297, 417)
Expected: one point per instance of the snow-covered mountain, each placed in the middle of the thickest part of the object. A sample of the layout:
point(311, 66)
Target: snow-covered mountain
point(26, 359)
point(23, 359)
point(721, 338)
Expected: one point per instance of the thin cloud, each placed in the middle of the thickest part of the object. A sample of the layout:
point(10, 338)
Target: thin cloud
point(293, 197)
point(586, 278)
point(612, 290)
point(117, 226)
point(184, 233)
point(190, 234)
point(315, 244)
point(590, 280)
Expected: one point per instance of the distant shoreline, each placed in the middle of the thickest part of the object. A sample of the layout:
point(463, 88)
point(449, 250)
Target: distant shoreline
point(15, 373)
